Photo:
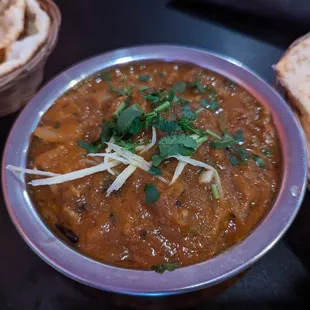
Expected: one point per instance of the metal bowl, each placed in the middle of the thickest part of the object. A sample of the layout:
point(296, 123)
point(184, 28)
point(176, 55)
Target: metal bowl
point(138, 282)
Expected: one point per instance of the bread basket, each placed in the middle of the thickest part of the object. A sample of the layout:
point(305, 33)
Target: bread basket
point(20, 85)
point(288, 98)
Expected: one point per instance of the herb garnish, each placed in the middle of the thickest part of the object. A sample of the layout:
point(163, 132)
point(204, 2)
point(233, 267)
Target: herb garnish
point(259, 161)
point(90, 147)
point(151, 193)
point(197, 84)
point(154, 171)
point(215, 192)
point(179, 87)
point(267, 152)
point(228, 141)
point(142, 88)
point(166, 125)
point(174, 145)
point(188, 113)
point(212, 105)
point(128, 144)
point(127, 117)
point(161, 268)
point(144, 77)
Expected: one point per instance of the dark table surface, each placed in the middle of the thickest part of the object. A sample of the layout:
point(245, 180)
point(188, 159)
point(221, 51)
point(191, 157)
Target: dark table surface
point(93, 27)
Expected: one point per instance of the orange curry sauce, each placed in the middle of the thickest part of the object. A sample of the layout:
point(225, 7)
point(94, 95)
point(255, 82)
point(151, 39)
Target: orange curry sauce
point(186, 224)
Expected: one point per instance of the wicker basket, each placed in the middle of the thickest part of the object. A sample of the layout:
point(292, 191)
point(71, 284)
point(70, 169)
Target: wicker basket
point(286, 95)
point(20, 85)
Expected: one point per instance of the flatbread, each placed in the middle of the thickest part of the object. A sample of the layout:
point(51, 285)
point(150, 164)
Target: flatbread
point(21, 51)
point(12, 20)
point(293, 72)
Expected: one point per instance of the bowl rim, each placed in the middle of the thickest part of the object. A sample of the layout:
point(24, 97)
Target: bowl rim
point(144, 282)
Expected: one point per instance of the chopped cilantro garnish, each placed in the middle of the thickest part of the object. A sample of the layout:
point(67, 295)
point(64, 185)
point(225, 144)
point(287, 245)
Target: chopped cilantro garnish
point(227, 141)
point(267, 152)
point(184, 102)
point(166, 125)
point(108, 129)
point(142, 88)
point(252, 203)
point(144, 77)
point(233, 160)
point(174, 145)
point(212, 94)
point(177, 144)
point(172, 96)
point(127, 117)
point(121, 108)
point(105, 76)
point(154, 170)
point(165, 267)
point(215, 191)
point(90, 147)
point(156, 160)
point(179, 87)
point(135, 126)
point(128, 144)
point(259, 161)
point(243, 154)
point(162, 74)
point(188, 126)
point(151, 193)
point(212, 105)
point(197, 84)
point(188, 113)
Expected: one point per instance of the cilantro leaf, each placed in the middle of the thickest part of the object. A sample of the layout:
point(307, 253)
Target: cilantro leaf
point(176, 144)
point(197, 84)
point(105, 76)
point(239, 137)
point(144, 77)
point(128, 144)
point(151, 193)
point(142, 88)
point(212, 105)
point(188, 125)
point(243, 154)
point(212, 94)
point(227, 141)
point(259, 161)
point(153, 97)
point(90, 147)
point(135, 126)
point(161, 268)
point(156, 159)
point(188, 113)
point(172, 96)
point(154, 171)
point(184, 102)
point(127, 117)
point(166, 125)
point(108, 129)
point(267, 152)
point(233, 160)
point(179, 87)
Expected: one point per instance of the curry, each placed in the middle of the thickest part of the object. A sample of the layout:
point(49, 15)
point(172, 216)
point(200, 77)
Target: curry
point(157, 165)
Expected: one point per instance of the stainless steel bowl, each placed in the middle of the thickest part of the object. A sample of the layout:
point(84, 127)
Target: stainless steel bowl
point(136, 282)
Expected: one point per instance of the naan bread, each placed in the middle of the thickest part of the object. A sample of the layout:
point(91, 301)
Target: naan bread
point(293, 72)
point(21, 51)
point(12, 20)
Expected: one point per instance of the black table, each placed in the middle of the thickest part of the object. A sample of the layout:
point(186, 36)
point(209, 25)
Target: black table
point(93, 27)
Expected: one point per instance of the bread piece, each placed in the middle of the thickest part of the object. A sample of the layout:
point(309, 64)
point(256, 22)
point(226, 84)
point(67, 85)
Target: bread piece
point(293, 72)
point(22, 50)
point(12, 19)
